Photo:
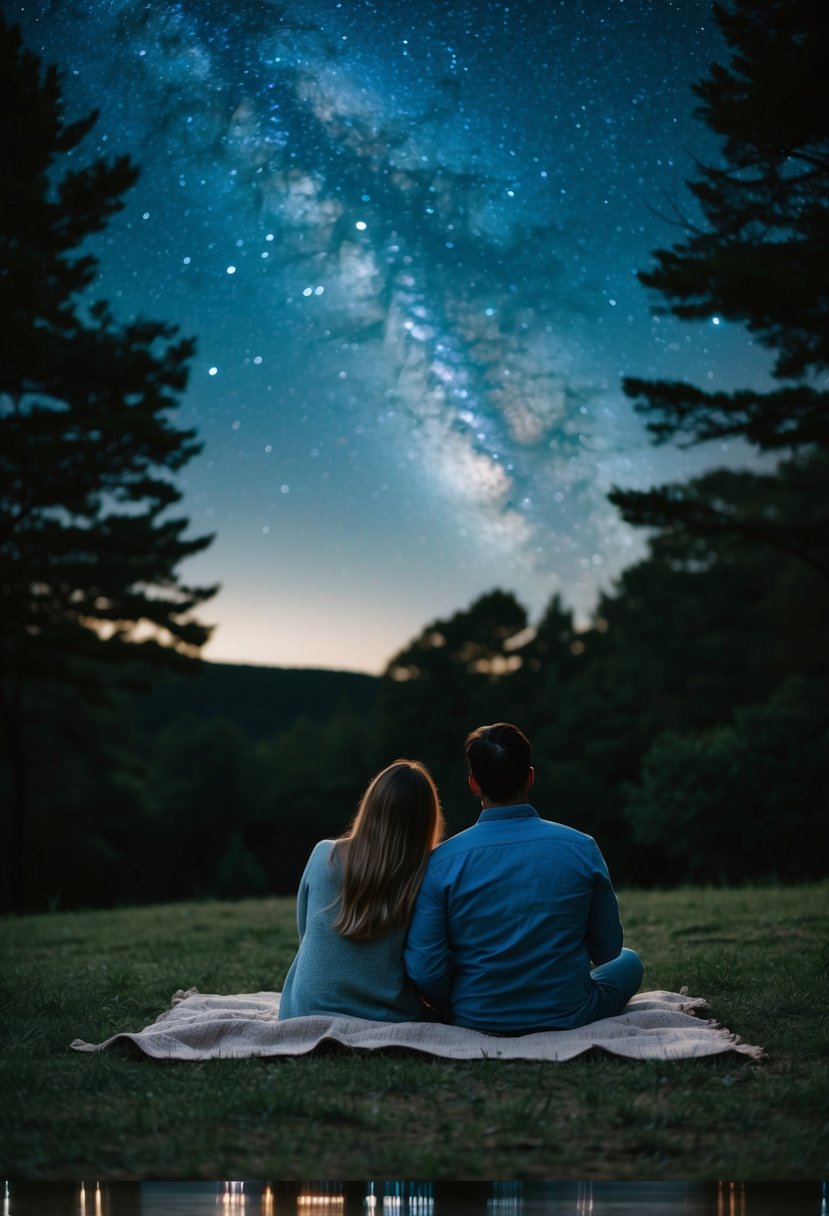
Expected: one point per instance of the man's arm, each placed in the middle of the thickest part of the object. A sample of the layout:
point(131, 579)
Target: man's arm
point(605, 936)
point(427, 956)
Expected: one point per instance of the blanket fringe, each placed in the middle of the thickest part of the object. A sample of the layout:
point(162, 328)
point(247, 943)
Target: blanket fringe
point(172, 1034)
point(696, 1005)
point(746, 1049)
point(182, 995)
point(737, 1042)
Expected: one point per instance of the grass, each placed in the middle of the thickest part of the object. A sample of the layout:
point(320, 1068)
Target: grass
point(759, 955)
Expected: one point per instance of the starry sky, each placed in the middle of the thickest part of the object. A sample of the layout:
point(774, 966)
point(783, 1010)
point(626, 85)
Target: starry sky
point(405, 235)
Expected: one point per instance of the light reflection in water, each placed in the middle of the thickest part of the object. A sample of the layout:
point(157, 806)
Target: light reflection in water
point(411, 1197)
point(506, 1199)
point(731, 1199)
point(320, 1199)
point(91, 1199)
point(231, 1197)
point(386, 1198)
point(600, 1198)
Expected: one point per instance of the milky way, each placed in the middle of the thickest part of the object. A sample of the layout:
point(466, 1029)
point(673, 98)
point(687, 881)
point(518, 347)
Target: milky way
point(405, 236)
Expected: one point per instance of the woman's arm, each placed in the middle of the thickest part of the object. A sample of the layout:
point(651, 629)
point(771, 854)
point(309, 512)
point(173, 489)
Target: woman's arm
point(305, 886)
point(427, 957)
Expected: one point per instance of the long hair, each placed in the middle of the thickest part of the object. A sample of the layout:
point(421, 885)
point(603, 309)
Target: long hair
point(384, 852)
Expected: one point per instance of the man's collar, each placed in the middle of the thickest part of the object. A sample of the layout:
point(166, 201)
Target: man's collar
point(521, 810)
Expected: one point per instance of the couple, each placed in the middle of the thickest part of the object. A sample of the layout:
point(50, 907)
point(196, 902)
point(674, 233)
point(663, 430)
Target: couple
point(509, 927)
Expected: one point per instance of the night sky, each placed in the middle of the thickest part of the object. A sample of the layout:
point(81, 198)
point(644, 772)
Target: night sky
point(405, 235)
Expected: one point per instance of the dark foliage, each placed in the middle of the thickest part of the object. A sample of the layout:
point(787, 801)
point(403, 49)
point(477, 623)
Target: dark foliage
point(760, 259)
point(449, 679)
point(686, 728)
point(88, 552)
point(704, 638)
point(747, 797)
point(262, 701)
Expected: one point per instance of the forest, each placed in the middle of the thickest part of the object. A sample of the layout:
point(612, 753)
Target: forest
point(686, 727)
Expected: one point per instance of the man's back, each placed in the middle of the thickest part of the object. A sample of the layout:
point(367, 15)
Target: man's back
point(511, 914)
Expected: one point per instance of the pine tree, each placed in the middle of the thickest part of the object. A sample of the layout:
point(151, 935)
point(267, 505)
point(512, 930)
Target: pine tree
point(760, 258)
point(88, 551)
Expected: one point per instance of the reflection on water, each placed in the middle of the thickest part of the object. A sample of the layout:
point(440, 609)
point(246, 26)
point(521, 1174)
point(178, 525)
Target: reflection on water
point(389, 1198)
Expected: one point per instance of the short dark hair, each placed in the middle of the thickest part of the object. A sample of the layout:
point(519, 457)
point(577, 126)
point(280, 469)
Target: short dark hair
point(499, 758)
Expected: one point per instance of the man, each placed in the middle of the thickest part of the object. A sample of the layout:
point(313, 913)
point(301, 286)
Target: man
point(516, 927)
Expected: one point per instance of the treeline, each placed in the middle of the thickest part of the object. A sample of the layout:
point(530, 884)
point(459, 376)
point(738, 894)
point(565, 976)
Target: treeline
point(686, 729)
point(214, 783)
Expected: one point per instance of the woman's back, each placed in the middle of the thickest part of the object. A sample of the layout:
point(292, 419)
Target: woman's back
point(333, 974)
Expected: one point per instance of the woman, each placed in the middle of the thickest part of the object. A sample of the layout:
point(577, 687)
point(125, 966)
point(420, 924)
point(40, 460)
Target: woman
point(355, 902)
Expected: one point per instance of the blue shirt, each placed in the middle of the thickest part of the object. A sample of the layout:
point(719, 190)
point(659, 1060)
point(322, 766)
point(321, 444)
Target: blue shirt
point(332, 973)
point(511, 915)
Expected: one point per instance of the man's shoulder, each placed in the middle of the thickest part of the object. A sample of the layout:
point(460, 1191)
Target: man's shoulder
point(569, 833)
point(455, 844)
point(533, 827)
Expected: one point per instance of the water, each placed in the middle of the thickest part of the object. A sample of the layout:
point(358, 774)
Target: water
point(384, 1198)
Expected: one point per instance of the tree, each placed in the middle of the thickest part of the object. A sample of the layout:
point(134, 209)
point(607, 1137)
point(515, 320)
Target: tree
point(456, 674)
point(786, 510)
point(694, 634)
point(240, 874)
point(202, 785)
point(90, 827)
point(88, 553)
point(744, 800)
point(761, 258)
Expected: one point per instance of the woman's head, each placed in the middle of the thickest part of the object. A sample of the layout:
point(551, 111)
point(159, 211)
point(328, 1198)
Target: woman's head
point(400, 811)
point(384, 852)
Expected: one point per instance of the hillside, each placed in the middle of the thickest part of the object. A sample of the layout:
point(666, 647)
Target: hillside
point(260, 700)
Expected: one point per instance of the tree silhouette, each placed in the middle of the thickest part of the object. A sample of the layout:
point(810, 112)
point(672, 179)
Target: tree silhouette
point(456, 674)
point(713, 801)
point(761, 258)
point(88, 553)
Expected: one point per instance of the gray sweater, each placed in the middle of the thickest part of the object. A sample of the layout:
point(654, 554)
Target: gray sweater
point(333, 974)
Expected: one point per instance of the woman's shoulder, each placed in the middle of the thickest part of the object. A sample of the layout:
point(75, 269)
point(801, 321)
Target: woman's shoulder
point(323, 851)
point(323, 871)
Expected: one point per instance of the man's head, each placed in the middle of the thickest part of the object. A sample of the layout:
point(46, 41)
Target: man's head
point(499, 758)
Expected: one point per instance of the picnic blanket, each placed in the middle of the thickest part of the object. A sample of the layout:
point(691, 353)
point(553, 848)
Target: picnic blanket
point(199, 1026)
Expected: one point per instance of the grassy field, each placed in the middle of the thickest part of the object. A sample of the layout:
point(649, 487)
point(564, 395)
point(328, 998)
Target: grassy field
point(759, 955)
